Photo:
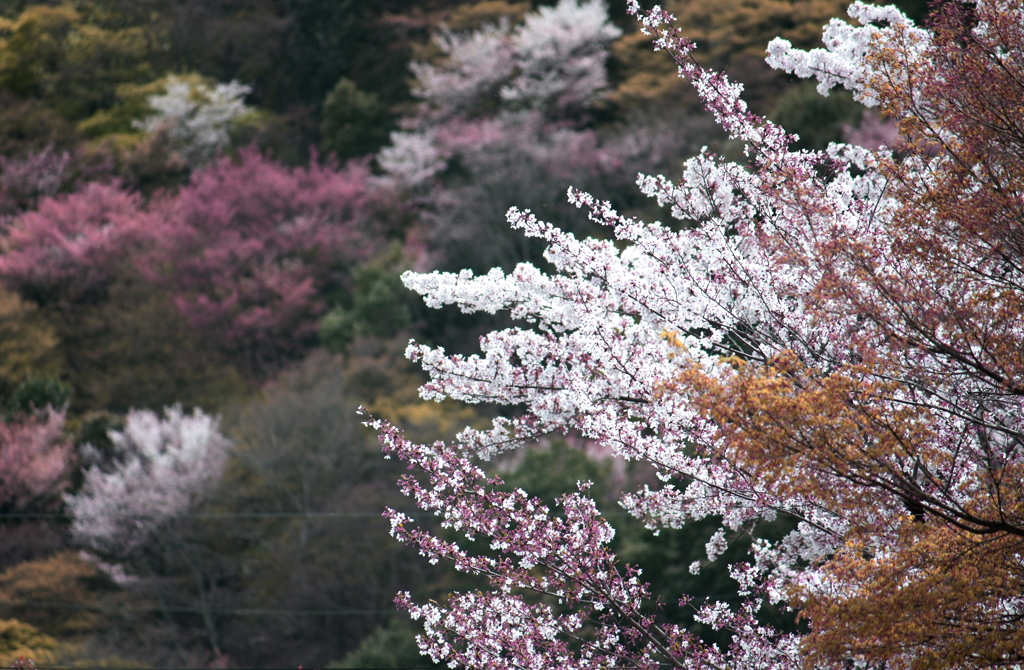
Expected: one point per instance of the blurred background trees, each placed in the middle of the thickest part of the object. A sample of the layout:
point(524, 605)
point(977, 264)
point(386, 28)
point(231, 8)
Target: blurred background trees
point(205, 207)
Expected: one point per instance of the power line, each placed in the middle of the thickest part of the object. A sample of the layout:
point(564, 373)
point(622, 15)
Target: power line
point(212, 515)
point(299, 667)
point(235, 611)
point(233, 515)
point(238, 611)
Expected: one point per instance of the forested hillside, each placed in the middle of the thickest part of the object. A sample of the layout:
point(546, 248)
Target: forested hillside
point(206, 207)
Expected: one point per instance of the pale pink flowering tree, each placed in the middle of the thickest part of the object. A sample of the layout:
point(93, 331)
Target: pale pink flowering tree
point(553, 63)
point(35, 459)
point(161, 467)
point(197, 118)
point(552, 68)
point(832, 337)
point(560, 54)
point(134, 503)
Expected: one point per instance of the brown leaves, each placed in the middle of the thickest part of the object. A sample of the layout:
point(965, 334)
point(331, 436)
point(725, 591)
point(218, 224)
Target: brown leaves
point(922, 578)
point(931, 604)
point(916, 450)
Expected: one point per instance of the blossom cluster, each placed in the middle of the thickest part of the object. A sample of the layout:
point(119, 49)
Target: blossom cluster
point(161, 468)
point(246, 249)
point(559, 597)
point(197, 118)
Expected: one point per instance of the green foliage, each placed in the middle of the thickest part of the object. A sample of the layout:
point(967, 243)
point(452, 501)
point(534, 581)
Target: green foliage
point(816, 118)
point(321, 44)
point(32, 46)
point(70, 596)
point(55, 594)
point(297, 444)
point(39, 391)
point(354, 122)
point(288, 136)
point(28, 125)
point(337, 329)
point(392, 646)
point(548, 471)
point(11, 8)
point(57, 68)
point(27, 343)
point(132, 105)
point(291, 52)
point(731, 35)
point(917, 10)
point(379, 305)
point(143, 163)
point(132, 348)
point(387, 385)
point(301, 452)
point(472, 16)
point(646, 78)
point(728, 29)
point(52, 54)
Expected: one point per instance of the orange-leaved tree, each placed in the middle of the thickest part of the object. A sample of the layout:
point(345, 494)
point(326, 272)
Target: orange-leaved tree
point(912, 433)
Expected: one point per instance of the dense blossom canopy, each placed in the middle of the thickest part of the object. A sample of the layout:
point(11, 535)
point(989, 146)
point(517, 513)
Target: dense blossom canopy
point(249, 248)
point(831, 337)
point(69, 248)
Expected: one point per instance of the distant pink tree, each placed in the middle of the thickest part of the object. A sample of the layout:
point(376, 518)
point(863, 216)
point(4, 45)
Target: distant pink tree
point(249, 248)
point(67, 250)
point(34, 459)
point(23, 181)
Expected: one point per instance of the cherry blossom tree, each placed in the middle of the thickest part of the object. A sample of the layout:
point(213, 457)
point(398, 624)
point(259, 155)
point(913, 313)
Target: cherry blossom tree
point(195, 116)
point(23, 182)
point(554, 62)
point(69, 249)
point(550, 68)
point(507, 116)
point(161, 467)
point(831, 337)
point(250, 248)
point(35, 459)
point(134, 502)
